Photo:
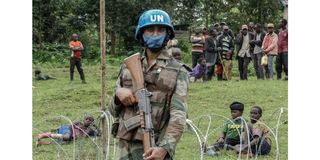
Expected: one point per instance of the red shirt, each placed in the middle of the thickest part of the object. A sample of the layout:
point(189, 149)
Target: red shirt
point(75, 54)
point(204, 47)
point(283, 41)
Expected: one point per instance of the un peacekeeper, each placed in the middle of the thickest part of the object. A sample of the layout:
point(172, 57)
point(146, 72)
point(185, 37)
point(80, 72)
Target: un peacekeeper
point(168, 82)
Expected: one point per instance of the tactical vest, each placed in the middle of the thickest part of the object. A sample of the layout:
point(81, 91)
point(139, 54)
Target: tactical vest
point(162, 86)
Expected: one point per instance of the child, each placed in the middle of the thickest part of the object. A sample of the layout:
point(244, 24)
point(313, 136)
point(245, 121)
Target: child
point(257, 130)
point(229, 134)
point(176, 54)
point(227, 67)
point(65, 133)
point(199, 71)
point(40, 76)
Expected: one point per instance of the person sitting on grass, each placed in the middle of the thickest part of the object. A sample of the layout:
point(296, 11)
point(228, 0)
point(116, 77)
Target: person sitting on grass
point(65, 133)
point(260, 143)
point(229, 136)
point(39, 76)
point(199, 71)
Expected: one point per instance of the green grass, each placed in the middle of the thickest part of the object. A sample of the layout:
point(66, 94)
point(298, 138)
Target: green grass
point(59, 97)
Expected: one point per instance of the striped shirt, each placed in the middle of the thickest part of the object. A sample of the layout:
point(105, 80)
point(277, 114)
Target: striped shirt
point(225, 46)
point(197, 47)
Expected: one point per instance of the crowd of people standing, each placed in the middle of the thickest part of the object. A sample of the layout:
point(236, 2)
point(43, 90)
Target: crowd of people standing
point(217, 48)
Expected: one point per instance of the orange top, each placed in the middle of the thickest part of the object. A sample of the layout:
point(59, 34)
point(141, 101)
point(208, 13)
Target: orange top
point(75, 54)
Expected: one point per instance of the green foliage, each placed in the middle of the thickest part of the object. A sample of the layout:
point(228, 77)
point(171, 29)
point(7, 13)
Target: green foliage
point(59, 54)
point(186, 48)
point(50, 53)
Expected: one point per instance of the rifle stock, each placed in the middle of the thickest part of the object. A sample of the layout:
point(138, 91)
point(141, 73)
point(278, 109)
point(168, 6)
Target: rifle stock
point(134, 65)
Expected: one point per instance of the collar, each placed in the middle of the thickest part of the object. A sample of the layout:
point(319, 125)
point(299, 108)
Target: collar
point(202, 66)
point(283, 30)
point(164, 55)
point(268, 34)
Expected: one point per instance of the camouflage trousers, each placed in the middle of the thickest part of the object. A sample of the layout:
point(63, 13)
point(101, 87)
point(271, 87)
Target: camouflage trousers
point(130, 150)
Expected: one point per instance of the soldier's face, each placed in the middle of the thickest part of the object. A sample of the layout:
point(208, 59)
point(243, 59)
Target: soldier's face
point(155, 31)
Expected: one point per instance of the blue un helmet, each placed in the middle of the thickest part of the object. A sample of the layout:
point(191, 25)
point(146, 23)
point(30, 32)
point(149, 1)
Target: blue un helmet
point(154, 17)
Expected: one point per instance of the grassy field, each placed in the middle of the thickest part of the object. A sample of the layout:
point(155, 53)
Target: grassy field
point(58, 97)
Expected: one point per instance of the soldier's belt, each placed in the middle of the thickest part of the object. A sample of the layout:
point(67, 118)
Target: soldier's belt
point(132, 123)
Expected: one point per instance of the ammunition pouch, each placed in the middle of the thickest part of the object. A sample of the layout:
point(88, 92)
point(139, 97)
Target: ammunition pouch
point(132, 123)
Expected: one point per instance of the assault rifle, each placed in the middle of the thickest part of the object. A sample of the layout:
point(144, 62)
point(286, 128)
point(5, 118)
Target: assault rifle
point(142, 98)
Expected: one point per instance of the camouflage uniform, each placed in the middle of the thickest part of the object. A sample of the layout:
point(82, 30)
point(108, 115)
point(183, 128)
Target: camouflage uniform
point(169, 103)
point(41, 77)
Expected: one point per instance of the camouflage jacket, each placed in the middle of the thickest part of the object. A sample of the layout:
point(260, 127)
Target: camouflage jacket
point(169, 101)
point(41, 77)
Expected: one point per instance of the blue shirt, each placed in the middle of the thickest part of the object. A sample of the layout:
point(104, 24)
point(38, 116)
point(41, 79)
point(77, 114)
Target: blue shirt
point(198, 70)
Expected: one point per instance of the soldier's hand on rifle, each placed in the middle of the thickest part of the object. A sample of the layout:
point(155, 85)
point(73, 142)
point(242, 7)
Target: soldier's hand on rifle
point(125, 96)
point(155, 153)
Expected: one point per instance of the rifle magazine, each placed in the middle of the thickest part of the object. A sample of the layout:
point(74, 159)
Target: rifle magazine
point(132, 123)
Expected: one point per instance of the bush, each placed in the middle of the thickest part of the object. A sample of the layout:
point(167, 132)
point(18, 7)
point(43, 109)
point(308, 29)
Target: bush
point(60, 53)
point(186, 48)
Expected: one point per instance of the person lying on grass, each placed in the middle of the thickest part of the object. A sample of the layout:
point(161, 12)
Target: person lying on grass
point(260, 143)
point(199, 71)
point(229, 136)
point(39, 76)
point(65, 133)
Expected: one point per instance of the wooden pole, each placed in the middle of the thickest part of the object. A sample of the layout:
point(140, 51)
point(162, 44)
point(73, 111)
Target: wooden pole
point(103, 72)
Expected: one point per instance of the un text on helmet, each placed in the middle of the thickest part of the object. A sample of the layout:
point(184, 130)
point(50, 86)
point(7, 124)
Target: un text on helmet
point(158, 18)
